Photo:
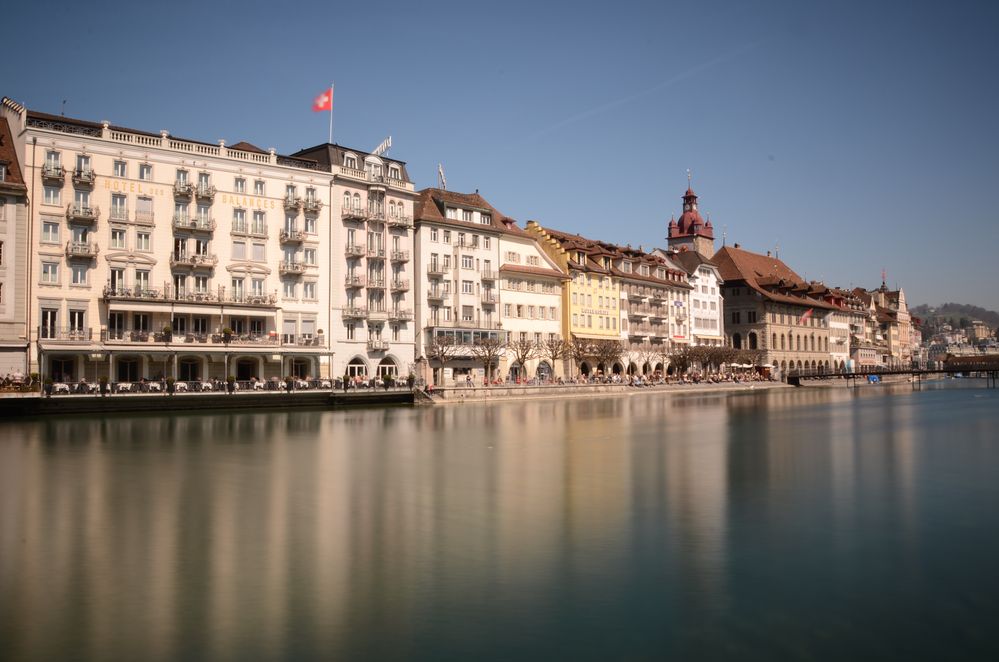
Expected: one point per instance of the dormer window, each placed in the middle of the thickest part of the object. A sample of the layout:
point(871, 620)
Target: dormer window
point(452, 213)
point(394, 172)
point(350, 161)
point(485, 219)
point(580, 257)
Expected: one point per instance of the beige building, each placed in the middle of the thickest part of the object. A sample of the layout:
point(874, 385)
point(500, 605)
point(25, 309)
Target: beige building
point(13, 258)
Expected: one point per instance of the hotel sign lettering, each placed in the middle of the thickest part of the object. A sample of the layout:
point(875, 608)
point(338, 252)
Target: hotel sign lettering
point(141, 188)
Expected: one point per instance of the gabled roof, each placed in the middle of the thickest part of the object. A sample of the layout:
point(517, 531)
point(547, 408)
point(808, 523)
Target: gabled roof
point(14, 180)
point(767, 275)
point(244, 146)
point(534, 271)
point(432, 203)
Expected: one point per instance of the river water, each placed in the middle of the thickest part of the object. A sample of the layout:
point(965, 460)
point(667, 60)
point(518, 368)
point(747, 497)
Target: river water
point(793, 524)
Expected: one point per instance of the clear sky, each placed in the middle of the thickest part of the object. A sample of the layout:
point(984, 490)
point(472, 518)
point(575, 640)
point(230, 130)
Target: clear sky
point(857, 136)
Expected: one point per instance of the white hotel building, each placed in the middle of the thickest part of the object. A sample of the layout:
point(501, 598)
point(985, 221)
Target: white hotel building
point(155, 255)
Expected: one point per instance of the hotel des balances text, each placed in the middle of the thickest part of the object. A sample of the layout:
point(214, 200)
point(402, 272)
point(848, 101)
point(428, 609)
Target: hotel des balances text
point(152, 255)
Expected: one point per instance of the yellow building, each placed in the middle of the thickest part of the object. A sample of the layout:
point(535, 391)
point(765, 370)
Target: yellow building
point(591, 298)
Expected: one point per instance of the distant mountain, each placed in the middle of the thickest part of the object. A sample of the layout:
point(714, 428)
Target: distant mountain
point(956, 314)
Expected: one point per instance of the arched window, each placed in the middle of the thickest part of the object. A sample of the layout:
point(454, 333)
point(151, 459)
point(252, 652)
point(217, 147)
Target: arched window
point(813, 342)
point(782, 341)
point(799, 345)
point(346, 199)
point(737, 340)
point(357, 202)
point(774, 344)
point(752, 341)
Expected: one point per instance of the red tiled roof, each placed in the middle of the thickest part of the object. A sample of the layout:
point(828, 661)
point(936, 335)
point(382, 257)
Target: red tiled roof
point(8, 153)
point(767, 275)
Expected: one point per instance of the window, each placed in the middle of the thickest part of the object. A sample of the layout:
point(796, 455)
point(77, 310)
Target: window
point(467, 262)
point(433, 234)
point(258, 187)
point(467, 287)
point(201, 284)
point(239, 186)
point(394, 172)
point(290, 191)
point(289, 289)
point(309, 290)
point(485, 219)
point(506, 309)
point(309, 256)
point(145, 172)
point(447, 236)
point(239, 250)
point(239, 220)
point(466, 215)
point(533, 260)
point(259, 223)
point(119, 207)
point(120, 169)
point(259, 253)
point(118, 238)
point(141, 280)
point(79, 274)
point(50, 232)
point(350, 332)
point(310, 225)
point(467, 313)
point(142, 242)
point(461, 238)
point(50, 273)
point(485, 242)
point(350, 161)
point(452, 213)
point(53, 196)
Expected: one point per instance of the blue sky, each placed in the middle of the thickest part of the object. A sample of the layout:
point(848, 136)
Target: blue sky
point(857, 136)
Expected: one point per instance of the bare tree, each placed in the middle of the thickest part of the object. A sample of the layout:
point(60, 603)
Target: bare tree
point(680, 358)
point(607, 352)
point(487, 351)
point(554, 350)
point(648, 353)
point(442, 349)
point(578, 349)
point(522, 351)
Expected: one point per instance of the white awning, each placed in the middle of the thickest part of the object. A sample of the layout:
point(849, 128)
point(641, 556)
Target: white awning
point(139, 307)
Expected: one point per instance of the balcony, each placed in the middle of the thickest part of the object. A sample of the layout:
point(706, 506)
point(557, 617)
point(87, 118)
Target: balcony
point(192, 260)
point(399, 256)
point(85, 249)
point(377, 345)
point(435, 270)
point(466, 324)
point(183, 189)
point(376, 253)
point(353, 282)
point(355, 313)
point(400, 285)
point(377, 282)
point(398, 315)
point(353, 250)
point(204, 192)
point(84, 177)
point(400, 221)
point(63, 334)
point(181, 222)
point(53, 173)
point(376, 216)
point(306, 340)
point(636, 295)
point(489, 298)
point(488, 274)
point(290, 267)
point(292, 236)
point(312, 206)
point(82, 213)
point(292, 202)
point(118, 214)
point(378, 315)
point(436, 295)
point(168, 295)
point(353, 214)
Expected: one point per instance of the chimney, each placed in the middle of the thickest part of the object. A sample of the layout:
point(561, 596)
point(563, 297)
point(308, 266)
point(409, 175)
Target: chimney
point(736, 245)
point(768, 252)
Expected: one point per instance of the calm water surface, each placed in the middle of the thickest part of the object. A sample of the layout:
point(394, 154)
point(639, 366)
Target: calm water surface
point(798, 524)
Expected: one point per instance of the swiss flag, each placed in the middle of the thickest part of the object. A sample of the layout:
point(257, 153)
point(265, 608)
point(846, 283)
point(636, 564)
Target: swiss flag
point(324, 101)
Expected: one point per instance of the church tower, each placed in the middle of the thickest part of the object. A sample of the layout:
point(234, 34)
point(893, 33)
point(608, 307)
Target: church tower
point(691, 232)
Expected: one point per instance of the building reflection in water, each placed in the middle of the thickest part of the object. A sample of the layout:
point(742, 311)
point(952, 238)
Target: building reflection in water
point(366, 533)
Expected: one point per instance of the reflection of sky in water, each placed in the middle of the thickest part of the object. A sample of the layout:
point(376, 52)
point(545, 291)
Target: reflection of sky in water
point(819, 523)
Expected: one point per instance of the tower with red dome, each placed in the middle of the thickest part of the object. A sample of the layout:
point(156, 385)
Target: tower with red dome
point(691, 232)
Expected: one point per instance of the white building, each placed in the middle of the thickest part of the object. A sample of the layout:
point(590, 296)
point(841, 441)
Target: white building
point(371, 266)
point(531, 300)
point(156, 255)
point(706, 307)
point(457, 259)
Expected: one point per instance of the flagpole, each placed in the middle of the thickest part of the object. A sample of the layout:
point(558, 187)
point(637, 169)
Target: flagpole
point(331, 113)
